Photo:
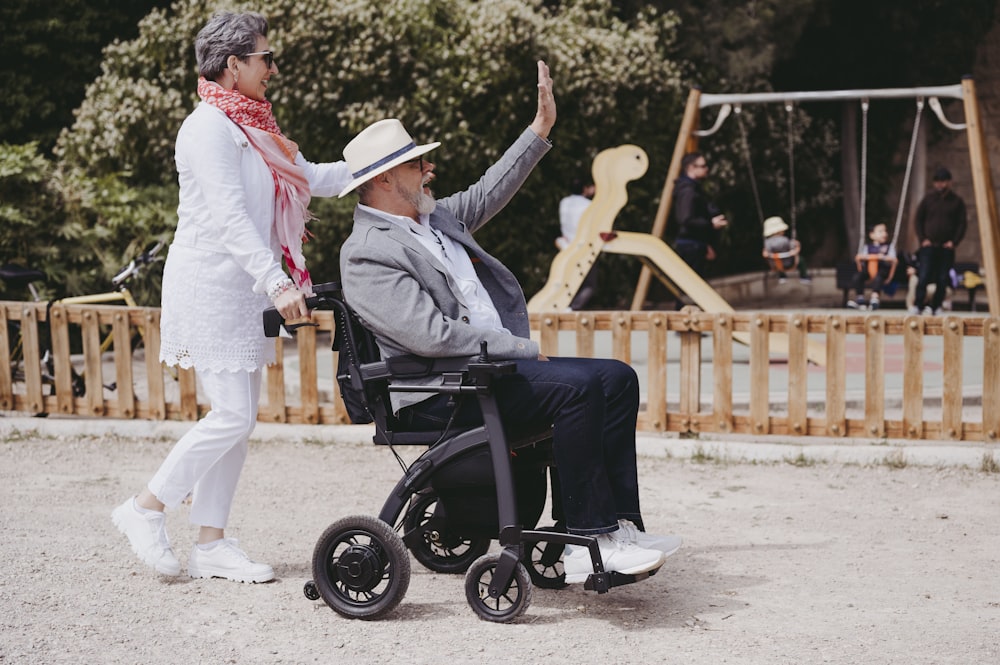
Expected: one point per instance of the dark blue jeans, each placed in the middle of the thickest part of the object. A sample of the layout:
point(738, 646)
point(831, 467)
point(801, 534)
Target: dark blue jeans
point(934, 266)
point(592, 404)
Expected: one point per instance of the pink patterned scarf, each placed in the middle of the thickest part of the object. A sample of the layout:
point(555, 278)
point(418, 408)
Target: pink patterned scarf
point(291, 189)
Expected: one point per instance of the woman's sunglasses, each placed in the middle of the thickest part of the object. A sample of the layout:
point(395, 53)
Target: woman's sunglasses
point(268, 57)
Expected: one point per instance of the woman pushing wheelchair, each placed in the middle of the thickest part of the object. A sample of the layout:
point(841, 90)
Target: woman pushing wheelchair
point(244, 192)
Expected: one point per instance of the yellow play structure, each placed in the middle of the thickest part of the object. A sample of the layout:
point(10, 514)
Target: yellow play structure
point(613, 169)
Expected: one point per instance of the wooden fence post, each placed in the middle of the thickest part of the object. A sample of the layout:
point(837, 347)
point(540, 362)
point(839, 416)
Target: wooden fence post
point(913, 377)
point(875, 376)
point(722, 371)
point(836, 376)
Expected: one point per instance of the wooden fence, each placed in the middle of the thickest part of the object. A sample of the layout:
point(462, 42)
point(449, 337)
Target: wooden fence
point(886, 375)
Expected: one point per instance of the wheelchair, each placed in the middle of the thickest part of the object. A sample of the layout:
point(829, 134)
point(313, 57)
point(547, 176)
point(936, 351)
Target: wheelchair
point(469, 487)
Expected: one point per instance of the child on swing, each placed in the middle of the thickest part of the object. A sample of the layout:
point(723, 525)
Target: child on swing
point(876, 266)
point(782, 252)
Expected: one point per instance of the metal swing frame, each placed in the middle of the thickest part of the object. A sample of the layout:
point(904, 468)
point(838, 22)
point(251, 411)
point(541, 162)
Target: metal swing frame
point(985, 200)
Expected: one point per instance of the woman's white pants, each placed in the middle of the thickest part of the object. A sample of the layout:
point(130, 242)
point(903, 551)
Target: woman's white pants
point(207, 461)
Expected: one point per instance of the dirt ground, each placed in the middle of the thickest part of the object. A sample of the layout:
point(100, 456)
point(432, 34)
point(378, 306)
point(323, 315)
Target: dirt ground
point(782, 563)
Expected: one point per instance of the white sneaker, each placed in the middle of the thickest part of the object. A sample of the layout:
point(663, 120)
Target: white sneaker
point(913, 310)
point(666, 544)
point(228, 561)
point(618, 554)
point(927, 311)
point(147, 534)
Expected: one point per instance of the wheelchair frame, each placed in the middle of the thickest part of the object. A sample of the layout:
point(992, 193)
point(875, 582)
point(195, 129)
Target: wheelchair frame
point(360, 566)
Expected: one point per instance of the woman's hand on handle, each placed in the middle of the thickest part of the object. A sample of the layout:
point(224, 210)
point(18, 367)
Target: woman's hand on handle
point(292, 305)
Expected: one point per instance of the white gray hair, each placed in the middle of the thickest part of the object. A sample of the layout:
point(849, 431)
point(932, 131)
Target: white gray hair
point(224, 35)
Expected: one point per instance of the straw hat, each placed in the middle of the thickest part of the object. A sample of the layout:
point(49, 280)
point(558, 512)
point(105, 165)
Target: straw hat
point(773, 226)
point(378, 148)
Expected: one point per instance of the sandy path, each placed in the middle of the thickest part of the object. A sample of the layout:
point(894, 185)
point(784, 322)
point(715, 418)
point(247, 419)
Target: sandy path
point(827, 563)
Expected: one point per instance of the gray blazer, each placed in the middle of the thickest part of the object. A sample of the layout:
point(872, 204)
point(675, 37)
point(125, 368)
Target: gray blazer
point(405, 296)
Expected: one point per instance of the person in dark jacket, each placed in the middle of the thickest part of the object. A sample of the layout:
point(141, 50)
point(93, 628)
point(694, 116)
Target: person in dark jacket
point(697, 218)
point(940, 226)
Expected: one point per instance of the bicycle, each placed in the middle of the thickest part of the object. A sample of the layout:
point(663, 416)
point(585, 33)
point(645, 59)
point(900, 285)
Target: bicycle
point(23, 356)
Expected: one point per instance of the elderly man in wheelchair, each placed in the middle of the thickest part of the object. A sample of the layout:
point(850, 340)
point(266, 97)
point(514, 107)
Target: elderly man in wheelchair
point(455, 361)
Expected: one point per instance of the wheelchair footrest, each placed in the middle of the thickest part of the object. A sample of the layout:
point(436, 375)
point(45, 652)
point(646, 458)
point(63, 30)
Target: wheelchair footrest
point(603, 582)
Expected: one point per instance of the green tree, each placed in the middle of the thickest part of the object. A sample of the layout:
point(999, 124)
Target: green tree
point(733, 46)
point(52, 51)
point(77, 230)
point(28, 207)
point(457, 71)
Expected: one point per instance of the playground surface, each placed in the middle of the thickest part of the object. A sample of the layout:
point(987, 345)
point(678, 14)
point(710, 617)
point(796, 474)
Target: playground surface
point(782, 563)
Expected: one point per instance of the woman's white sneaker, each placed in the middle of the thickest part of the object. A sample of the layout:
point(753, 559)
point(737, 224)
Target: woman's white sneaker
point(618, 554)
point(147, 534)
point(228, 561)
point(666, 544)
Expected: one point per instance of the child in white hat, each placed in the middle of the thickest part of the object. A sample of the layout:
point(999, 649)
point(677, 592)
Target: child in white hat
point(782, 252)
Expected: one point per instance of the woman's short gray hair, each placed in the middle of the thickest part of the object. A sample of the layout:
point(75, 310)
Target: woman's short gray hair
point(224, 35)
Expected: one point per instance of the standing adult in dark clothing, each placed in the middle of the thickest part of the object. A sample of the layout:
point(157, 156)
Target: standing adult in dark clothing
point(697, 218)
point(940, 224)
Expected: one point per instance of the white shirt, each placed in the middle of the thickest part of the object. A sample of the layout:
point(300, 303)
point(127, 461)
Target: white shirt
point(570, 210)
point(483, 313)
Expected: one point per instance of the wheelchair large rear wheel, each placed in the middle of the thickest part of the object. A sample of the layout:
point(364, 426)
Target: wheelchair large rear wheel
point(360, 567)
point(509, 605)
point(438, 549)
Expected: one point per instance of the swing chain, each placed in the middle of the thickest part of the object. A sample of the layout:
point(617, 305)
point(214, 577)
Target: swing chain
point(909, 167)
point(790, 108)
point(738, 110)
point(864, 173)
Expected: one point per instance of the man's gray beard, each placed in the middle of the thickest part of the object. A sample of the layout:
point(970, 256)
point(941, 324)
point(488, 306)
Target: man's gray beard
point(424, 203)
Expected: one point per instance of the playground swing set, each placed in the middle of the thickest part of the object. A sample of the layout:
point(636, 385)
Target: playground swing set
point(614, 168)
point(781, 261)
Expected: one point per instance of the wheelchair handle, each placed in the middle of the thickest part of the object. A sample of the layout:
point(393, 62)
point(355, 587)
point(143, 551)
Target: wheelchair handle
point(321, 300)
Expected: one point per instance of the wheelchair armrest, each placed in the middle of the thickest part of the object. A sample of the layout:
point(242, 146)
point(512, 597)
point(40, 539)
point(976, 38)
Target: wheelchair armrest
point(459, 374)
point(415, 367)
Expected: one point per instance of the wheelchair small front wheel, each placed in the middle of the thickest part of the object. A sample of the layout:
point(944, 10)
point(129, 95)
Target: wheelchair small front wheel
point(360, 567)
point(438, 549)
point(508, 606)
point(310, 591)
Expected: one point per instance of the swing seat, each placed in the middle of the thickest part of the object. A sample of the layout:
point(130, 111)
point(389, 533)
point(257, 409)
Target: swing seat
point(784, 261)
point(872, 267)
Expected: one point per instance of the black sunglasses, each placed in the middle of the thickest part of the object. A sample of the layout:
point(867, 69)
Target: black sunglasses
point(416, 160)
point(268, 57)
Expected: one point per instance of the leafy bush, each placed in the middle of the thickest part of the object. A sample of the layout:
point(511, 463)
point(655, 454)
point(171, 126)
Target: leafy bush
point(77, 230)
point(27, 210)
